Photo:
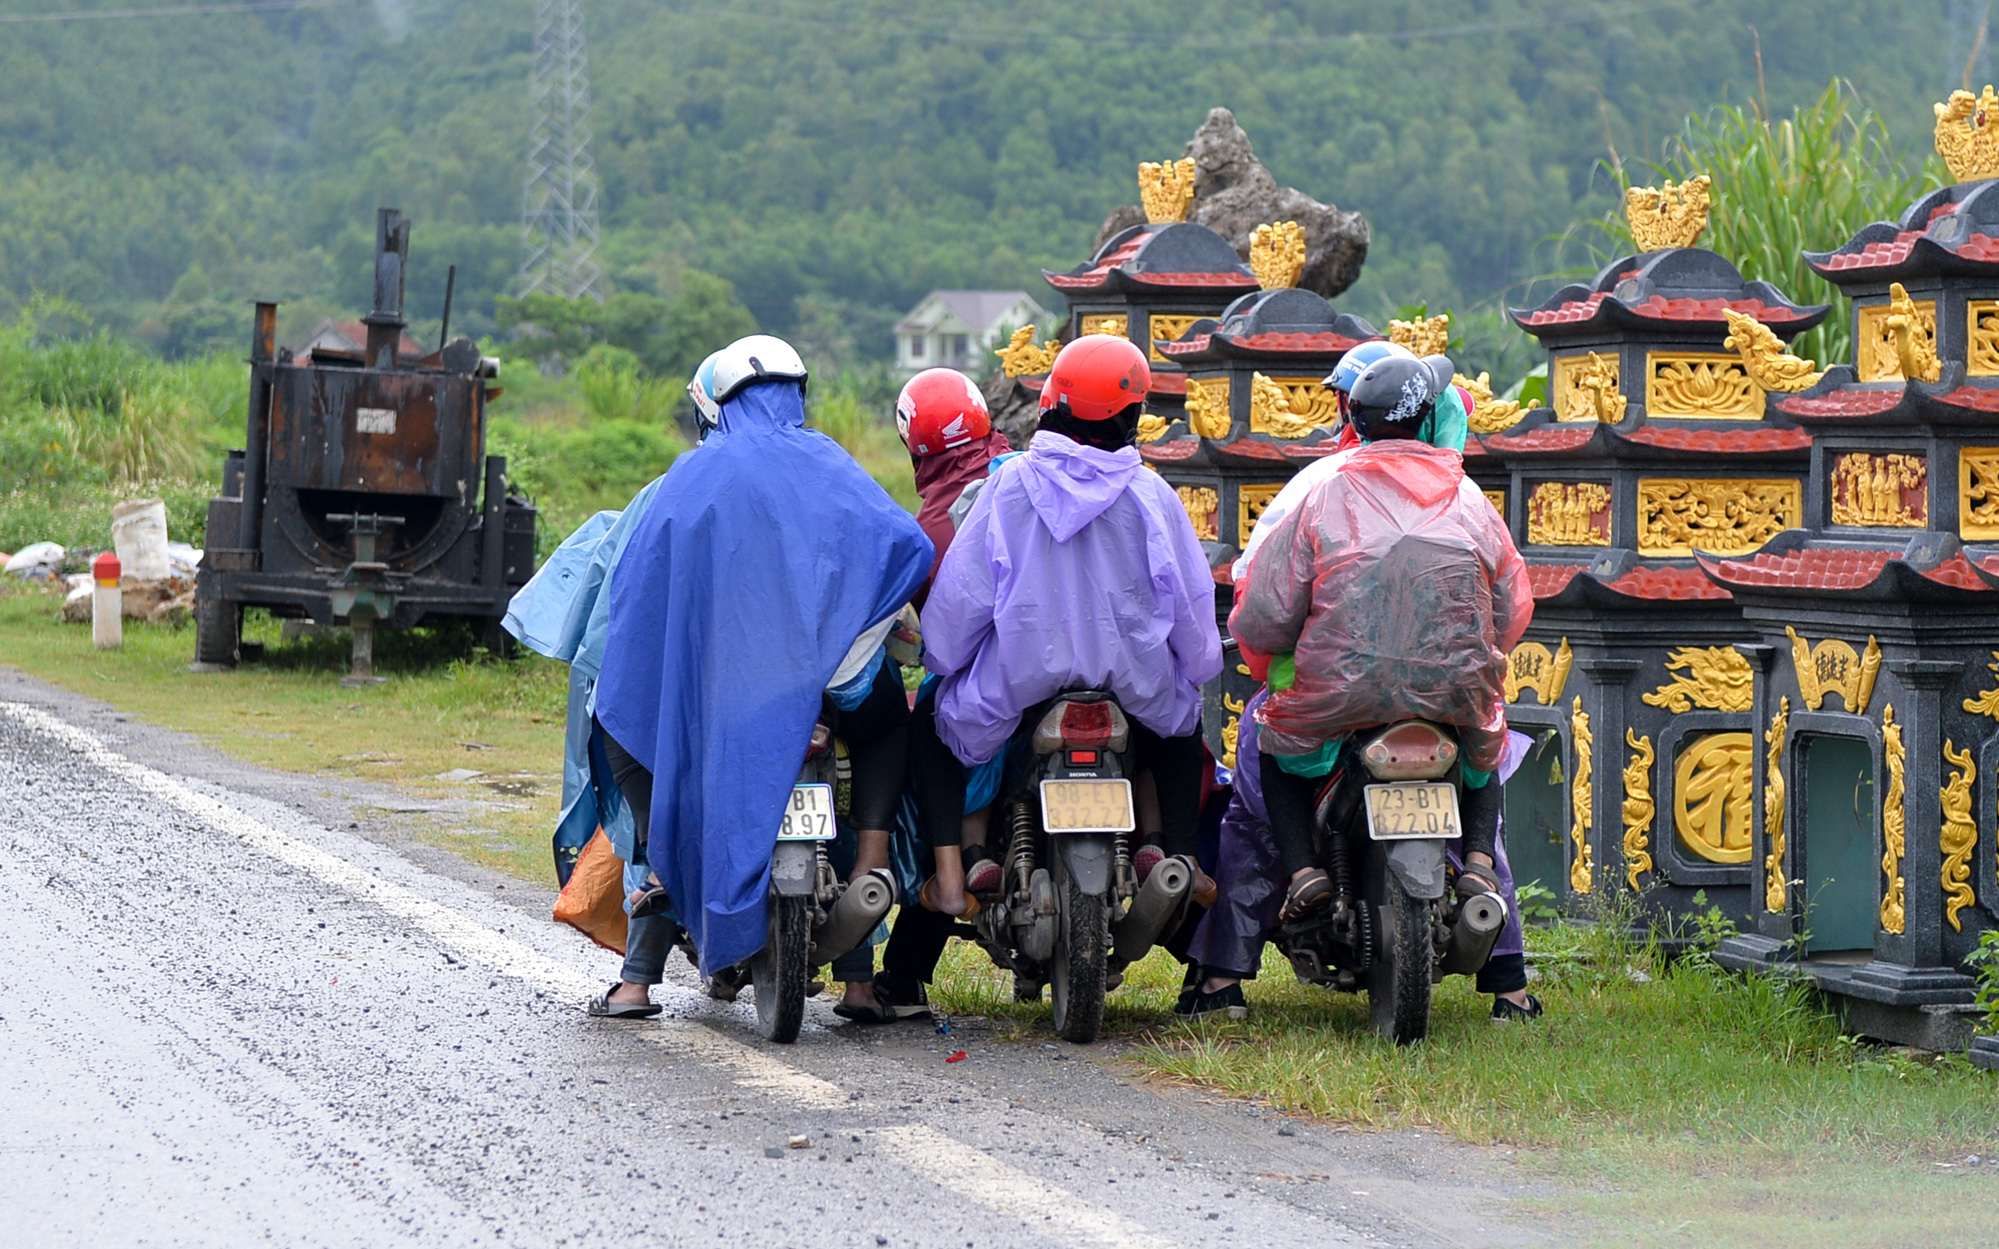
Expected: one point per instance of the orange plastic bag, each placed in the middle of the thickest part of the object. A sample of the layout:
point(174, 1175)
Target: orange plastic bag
point(593, 902)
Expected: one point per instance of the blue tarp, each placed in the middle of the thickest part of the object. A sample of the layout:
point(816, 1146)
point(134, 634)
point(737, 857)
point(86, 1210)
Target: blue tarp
point(759, 561)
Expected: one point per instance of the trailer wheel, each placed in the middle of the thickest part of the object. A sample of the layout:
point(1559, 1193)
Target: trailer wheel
point(218, 630)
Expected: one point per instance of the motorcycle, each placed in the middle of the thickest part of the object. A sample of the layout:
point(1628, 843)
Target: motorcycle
point(814, 917)
point(1069, 913)
point(1392, 928)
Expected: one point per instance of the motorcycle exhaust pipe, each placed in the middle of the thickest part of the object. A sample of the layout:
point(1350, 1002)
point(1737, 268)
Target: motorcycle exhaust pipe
point(853, 917)
point(1156, 905)
point(1480, 918)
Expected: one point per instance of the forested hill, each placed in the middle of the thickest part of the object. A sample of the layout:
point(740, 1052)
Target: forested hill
point(836, 161)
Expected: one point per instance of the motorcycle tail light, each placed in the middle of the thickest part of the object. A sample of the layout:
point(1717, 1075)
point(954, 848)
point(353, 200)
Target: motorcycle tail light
point(1082, 757)
point(1072, 724)
point(822, 740)
point(1414, 750)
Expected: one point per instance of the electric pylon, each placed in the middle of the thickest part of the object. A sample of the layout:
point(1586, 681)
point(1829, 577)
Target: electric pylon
point(559, 198)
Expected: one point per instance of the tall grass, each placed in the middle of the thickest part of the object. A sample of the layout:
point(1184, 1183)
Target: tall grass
point(848, 417)
point(1781, 187)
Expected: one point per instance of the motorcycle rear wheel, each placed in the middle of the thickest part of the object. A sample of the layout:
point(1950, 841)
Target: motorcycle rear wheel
point(780, 970)
point(1078, 973)
point(1398, 980)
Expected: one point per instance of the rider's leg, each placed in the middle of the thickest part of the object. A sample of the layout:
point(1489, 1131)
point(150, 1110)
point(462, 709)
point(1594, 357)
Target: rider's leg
point(939, 781)
point(1175, 765)
point(648, 938)
point(1289, 800)
point(877, 737)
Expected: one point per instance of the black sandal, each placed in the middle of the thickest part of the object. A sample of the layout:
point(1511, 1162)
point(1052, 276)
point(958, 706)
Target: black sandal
point(653, 901)
point(602, 1007)
point(1487, 880)
point(1312, 890)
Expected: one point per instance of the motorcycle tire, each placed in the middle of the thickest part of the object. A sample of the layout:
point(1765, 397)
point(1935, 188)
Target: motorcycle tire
point(780, 970)
point(1398, 980)
point(1079, 973)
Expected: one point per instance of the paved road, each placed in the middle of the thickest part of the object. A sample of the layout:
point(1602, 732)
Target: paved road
point(227, 1018)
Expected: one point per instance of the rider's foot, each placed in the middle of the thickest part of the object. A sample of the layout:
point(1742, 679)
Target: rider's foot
point(1310, 888)
point(619, 1002)
point(1477, 876)
point(982, 871)
point(627, 994)
point(912, 1005)
point(1204, 890)
point(870, 852)
point(860, 1003)
point(1146, 860)
point(1521, 1005)
point(938, 897)
point(1227, 1000)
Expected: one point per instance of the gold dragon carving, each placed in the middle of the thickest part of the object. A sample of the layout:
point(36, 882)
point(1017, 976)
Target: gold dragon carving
point(1581, 795)
point(1960, 833)
point(1426, 336)
point(1967, 135)
point(1586, 389)
point(1894, 823)
point(1717, 678)
point(1021, 358)
point(1667, 216)
point(1112, 324)
point(1978, 493)
point(1915, 341)
point(1713, 796)
point(1166, 189)
point(1981, 356)
point(1834, 667)
point(1987, 703)
point(1878, 344)
point(1764, 356)
point(1201, 502)
point(1566, 514)
point(1639, 809)
point(1532, 667)
point(1150, 428)
point(1277, 254)
point(1870, 490)
point(1232, 731)
point(1679, 515)
point(1208, 406)
point(1272, 412)
point(1491, 415)
point(1777, 885)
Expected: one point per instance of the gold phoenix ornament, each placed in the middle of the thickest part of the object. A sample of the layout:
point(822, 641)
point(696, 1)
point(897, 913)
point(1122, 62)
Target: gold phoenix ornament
point(1667, 216)
point(1166, 188)
point(1968, 135)
point(1208, 406)
point(1586, 388)
point(1021, 358)
point(1277, 254)
point(1764, 356)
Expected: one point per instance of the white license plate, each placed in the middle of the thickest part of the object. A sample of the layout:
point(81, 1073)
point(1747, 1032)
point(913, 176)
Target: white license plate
point(1087, 806)
point(809, 816)
point(1412, 809)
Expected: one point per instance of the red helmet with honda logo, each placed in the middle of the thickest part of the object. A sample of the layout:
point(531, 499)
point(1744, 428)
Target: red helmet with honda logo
point(1097, 376)
point(940, 409)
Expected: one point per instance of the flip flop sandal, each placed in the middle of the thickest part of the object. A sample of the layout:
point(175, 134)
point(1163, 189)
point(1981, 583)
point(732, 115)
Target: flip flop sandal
point(602, 1007)
point(1487, 878)
point(653, 901)
point(876, 1013)
point(925, 898)
point(1205, 890)
point(1310, 891)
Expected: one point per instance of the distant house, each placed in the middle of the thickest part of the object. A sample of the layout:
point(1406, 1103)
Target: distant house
point(960, 329)
point(349, 338)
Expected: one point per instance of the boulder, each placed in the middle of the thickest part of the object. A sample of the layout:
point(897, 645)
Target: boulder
point(1015, 409)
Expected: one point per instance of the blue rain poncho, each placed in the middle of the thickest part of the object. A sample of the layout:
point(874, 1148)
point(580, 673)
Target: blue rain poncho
point(758, 563)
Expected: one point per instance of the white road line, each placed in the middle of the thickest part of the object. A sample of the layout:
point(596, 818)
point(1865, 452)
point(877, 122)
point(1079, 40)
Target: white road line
point(1013, 1192)
point(935, 1155)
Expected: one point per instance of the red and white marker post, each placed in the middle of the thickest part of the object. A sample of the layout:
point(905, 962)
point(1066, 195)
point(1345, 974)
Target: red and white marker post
point(107, 603)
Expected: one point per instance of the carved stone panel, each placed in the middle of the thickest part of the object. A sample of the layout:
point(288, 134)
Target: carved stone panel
point(1169, 327)
point(1878, 360)
point(1978, 493)
point(1250, 502)
point(1111, 323)
point(1723, 516)
point(1886, 491)
point(1208, 406)
point(1569, 514)
point(1981, 318)
point(1201, 503)
point(1586, 388)
point(1713, 796)
point(1700, 385)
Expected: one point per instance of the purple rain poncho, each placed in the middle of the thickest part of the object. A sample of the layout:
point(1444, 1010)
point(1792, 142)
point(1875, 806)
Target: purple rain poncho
point(1075, 569)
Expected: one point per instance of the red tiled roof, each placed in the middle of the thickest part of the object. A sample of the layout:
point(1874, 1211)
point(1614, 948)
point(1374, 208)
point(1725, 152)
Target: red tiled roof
point(1711, 309)
point(1242, 280)
point(1573, 310)
point(1974, 397)
point(1094, 277)
point(1302, 344)
point(1317, 450)
point(1944, 210)
point(1548, 580)
point(1843, 403)
point(1957, 571)
point(1192, 346)
point(1667, 583)
point(1250, 449)
point(1550, 438)
point(1169, 383)
point(1876, 255)
point(1171, 452)
point(1722, 441)
point(1823, 568)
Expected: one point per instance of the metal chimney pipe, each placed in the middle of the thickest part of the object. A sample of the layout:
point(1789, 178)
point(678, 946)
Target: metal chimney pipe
point(385, 322)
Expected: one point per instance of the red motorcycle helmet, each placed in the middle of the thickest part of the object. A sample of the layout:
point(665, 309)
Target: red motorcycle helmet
point(1098, 376)
point(939, 409)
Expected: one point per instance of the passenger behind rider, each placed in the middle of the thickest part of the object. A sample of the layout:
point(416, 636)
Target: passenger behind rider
point(1390, 590)
point(1076, 568)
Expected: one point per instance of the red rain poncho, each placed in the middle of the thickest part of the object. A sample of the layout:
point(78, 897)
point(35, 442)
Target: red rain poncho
point(1398, 591)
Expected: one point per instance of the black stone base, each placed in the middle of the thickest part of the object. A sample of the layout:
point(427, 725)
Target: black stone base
point(1985, 1052)
point(1895, 984)
point(1945, 1029)
point(1751, 952)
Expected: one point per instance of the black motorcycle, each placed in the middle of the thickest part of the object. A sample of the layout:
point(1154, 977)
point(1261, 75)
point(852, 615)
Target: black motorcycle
point(1392, 928)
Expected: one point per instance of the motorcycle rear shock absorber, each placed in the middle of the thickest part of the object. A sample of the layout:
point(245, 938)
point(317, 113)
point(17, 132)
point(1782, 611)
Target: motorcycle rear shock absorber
point(1020, 848)
point(1339, 846)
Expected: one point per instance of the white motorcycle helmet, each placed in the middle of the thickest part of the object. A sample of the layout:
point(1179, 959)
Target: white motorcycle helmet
point(759, 357)
point(701, 389)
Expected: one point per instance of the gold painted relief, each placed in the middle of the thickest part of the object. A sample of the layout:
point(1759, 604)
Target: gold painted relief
point(1586, 388)
point(1639, 808)
point(1834, 667)
point(1581, 796)
point(1532, 667)
point(1201, 503)
point(1667, 216)
point(1960, 833)
point(1309, 399)
point(1894, 823)
point(1981, 317)
point(1764, 356)
point(1150, 428)
point(1881, 490)
point(1020, 357)
point(1166, 188)
point(1701, 385)
point(1208, 406)
point(1167, 327)
point(1272, 410)
point(1113, 324)
point(1277, 254)
point(1987, 703)
point(1498, 500)
point(1569, 514)
point(1713, 789)
point(1716, 678)
point(1490, 415)
point(1426, 336)
point(1232, 731)
point(1978, 493)
point(1250, 502)
point(1879, 354)
point(1679, 515)
point(1967, 135)
point(1777, 885)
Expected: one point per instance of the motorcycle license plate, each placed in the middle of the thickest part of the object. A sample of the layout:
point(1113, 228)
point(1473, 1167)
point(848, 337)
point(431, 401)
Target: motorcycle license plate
point(1412, 809)
point(1087, 806)
point(809, 815)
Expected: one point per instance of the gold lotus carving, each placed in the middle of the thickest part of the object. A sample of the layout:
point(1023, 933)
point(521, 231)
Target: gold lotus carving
point(1764, 357)
point(1875, 490)
point(1700, 385)
point(1021, 358)
point(1166, 189)
point(1959, 836)
point(1713, 792)
point(1426, 336)
point(1834, 667)
point(1879, 346)
point(1680, 515)
point(1587, 388)
point(1201, 502)
point(1581, 796)
point(1716, 678)
point(1777, 885)
point(1894, 824)
point(1277, 254)
point(1639, 809)
point(1290, 407)
point(1667, 216)
point(1967, 135)
point(1569, 514)
point(1208, 406)
point(1532, 666)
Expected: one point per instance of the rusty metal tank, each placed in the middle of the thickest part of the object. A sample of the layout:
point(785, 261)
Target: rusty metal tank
point(363, 495)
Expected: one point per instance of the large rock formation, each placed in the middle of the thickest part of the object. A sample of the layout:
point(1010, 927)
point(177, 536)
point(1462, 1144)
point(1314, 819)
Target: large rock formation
point(1234, 194)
